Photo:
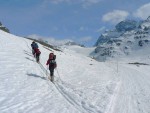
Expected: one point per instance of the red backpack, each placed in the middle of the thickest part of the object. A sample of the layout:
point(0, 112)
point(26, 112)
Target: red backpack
point(37, 51)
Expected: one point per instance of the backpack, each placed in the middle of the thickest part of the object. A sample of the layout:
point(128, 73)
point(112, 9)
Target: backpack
point(37, 51)
point(54, 57)
point(52, 64)
point(36, 46)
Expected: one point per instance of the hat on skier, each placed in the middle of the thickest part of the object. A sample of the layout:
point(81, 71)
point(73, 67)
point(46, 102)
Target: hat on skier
point(51, 55)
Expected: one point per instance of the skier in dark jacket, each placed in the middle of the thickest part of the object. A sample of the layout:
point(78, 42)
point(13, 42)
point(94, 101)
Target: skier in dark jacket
point(34, 45)
point(52, 65)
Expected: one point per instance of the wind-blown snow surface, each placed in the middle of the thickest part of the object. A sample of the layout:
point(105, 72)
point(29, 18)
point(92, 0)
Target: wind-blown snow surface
point(86, 86)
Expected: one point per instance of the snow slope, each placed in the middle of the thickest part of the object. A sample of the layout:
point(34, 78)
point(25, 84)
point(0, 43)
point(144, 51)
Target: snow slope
point(82, 85)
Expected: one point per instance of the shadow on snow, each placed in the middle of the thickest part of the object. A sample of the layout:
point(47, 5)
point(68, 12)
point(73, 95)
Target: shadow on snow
point(37, 76)
point(29, 59)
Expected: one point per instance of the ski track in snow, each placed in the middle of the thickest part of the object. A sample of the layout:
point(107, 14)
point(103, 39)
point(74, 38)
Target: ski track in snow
point(112, 103)
point(133, 95)
point(82, 106)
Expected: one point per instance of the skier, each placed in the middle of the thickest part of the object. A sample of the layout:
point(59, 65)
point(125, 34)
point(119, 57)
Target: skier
point(52, 65)
point(34, 45)
point(37, 54)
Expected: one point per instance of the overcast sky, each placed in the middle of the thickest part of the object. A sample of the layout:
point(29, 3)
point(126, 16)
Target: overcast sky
point(79, 20)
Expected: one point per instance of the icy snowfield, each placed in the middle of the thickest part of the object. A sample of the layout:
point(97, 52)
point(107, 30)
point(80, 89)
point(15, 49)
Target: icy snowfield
point(86, 86)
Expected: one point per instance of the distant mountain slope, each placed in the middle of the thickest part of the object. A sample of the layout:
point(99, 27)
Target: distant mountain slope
point(73, 44)
point(78, 49)
point(128, 37)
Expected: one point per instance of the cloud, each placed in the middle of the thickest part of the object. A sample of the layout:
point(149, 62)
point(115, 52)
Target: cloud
point(59, 1)
point(82, 28)
point(50, 40)
point(143, 12)
point(115, 16)
point(89, 2)
point(84, 3)
point(101, 29)
point(85, 39)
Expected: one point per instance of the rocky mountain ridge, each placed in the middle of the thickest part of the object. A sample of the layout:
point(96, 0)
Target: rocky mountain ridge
point(127, 37)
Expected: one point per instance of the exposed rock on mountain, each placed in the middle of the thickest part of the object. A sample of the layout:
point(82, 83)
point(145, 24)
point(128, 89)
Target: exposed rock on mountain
point(4, 28)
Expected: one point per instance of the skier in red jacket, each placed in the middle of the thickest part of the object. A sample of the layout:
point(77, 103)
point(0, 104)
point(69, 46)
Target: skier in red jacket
point(52, 65)
point(37, 54)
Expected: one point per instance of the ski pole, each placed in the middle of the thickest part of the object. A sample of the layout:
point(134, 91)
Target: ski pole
point(58, 74)
point(47, 71)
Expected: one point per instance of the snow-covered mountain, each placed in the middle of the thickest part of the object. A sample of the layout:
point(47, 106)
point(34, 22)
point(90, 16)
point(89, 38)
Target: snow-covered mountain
point(4, 28)
point(128, 37)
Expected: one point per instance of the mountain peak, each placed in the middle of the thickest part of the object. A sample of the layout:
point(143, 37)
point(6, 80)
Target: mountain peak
point(126, 25)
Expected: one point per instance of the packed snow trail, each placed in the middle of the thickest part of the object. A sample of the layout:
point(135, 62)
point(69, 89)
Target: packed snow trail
point(133, 95)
